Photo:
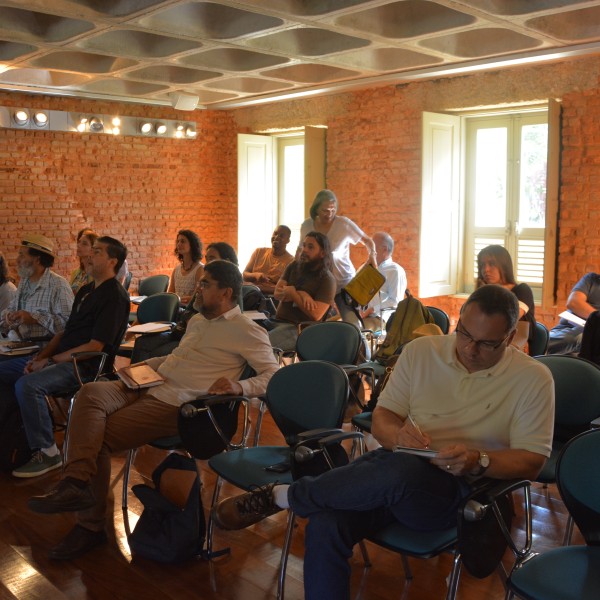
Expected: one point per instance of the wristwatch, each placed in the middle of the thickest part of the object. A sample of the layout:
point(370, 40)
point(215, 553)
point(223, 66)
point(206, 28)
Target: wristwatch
point(484, 462)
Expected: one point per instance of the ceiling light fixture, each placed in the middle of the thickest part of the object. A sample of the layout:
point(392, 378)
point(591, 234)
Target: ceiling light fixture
point(40, 118)
point(21, 117)
point(116, 121)
point(161, 128)
point(96, 125)
point(146, 127)
point(179, 131)
point(190, 132)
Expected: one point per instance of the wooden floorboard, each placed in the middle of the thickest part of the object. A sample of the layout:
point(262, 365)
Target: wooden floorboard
point(249, 572)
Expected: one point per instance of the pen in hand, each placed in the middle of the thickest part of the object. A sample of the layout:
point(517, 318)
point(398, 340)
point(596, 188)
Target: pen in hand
point(414, 424)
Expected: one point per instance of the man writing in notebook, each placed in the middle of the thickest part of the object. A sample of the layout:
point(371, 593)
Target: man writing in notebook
point(486, 407)
point(96, 323)
point(108, 417)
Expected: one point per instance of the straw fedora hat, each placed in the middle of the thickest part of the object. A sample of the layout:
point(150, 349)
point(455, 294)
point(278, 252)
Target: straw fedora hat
point(36, 241)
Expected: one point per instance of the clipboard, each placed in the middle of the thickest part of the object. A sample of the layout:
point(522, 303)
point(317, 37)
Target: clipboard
point(365, 284)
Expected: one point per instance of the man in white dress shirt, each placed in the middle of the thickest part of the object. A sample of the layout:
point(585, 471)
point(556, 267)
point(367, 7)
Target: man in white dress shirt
point(392, 290)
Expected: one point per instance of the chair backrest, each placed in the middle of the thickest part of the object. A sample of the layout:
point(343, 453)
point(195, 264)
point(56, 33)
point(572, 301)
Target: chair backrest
point(159, 307)
point(578, 479)
point(155, 284)
point(307, 395)
point(539, 345)
point(577, 393)
point(335, 341)
point(441, 319)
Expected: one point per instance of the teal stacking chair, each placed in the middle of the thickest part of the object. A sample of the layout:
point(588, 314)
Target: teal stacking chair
point(577, 406)
point(572, 572)
point(332, 341)
point(539, 346)
point(155, 284)
point(158, 307)
point(440, 318)
point(301, 397)
point(479, 540)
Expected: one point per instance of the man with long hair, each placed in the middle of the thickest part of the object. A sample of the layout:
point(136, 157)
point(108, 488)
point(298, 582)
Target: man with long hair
point(305, 291)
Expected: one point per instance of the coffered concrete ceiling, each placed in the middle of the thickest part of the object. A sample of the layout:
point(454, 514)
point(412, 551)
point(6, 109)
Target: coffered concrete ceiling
point(234, 53)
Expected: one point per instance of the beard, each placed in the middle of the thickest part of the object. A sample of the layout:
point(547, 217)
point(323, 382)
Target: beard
point(25, 272)
point(310, 265)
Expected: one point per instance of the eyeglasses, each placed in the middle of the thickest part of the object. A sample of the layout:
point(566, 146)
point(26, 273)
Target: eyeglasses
point(483, 345)
point(205, 284)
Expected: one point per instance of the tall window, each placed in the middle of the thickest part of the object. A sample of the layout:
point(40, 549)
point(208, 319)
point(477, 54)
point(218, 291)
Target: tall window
point(505, 192)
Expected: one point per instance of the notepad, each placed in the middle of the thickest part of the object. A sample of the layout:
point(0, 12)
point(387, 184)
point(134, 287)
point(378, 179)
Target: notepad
point(15, 348)
point(139, 376)
point(425, 452)
point(150, 328)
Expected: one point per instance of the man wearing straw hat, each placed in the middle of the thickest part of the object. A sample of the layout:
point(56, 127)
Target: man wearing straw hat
point(44, 299)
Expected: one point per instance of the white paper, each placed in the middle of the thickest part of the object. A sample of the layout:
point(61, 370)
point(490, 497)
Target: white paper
point(149, 328)
point(572, 318)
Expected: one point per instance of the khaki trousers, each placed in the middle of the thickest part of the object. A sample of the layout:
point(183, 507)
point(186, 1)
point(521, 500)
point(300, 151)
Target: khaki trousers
point(108, 417)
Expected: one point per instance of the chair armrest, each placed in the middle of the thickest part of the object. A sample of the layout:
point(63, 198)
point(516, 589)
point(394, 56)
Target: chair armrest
point(595, 424)
point(312, 434)
point(188, 410)
point(484, 498)
point(77, 357)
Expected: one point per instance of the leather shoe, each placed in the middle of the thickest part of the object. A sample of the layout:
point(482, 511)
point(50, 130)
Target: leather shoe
point(77, 542)
point(66, 497)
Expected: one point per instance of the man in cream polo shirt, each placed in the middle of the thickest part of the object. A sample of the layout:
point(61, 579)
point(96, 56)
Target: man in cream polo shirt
point(486, 407)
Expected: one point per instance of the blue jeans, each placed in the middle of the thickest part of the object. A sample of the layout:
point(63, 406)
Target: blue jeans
point(565, 339)
point(350, 503)
point(30, 392)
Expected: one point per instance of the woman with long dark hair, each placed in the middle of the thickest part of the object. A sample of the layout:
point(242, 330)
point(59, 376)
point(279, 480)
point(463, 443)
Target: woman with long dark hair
point(495, 266)
point(85, 242)
point(188, 249)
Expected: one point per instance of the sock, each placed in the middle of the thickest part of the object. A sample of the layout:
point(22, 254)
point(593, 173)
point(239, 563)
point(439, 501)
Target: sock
point(280, 496)
point(52, 451)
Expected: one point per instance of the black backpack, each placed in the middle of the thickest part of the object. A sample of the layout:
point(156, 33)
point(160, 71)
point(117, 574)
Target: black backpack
point(14, 448)
point(166, 532)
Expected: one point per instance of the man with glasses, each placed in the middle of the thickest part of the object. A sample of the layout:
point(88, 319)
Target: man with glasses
point(107, 417)
point(484, 406)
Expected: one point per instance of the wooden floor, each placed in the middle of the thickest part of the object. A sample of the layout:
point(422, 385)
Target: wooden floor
point(109, 572)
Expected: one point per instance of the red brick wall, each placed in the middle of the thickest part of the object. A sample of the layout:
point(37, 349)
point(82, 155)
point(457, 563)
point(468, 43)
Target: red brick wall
point(140, 190)
point(374, 155)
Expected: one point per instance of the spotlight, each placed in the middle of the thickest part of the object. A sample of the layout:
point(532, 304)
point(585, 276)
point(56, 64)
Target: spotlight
point(161, 128)
point(189, 132)
point(179, 131)
point(40, 119)
point(21, 117)
point(96, 125)
point(116, 130)
point(146, 127)
point(116, 121)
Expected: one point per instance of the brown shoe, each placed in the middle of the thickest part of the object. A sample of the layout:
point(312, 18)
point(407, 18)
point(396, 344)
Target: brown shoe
point(66, 497)
point(77, 542)
point(242, 511)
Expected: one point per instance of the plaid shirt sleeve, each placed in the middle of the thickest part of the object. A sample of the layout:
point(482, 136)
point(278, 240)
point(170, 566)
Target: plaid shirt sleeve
point(50, 306)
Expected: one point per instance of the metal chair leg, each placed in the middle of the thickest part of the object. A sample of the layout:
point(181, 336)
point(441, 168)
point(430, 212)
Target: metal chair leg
point(568, 532)
point(210, 525)
point(126, 471)
point(285, 551)
point(262, 407)
point(454, 577)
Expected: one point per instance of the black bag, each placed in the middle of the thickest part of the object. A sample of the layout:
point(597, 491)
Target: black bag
point(14, 448)
point(166, 532)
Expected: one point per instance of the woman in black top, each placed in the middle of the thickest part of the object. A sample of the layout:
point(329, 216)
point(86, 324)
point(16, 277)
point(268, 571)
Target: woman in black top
point(494, 265)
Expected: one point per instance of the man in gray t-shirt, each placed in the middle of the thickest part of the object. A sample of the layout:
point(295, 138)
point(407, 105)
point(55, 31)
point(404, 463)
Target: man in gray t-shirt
point(305, 291)
point(584, 299)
